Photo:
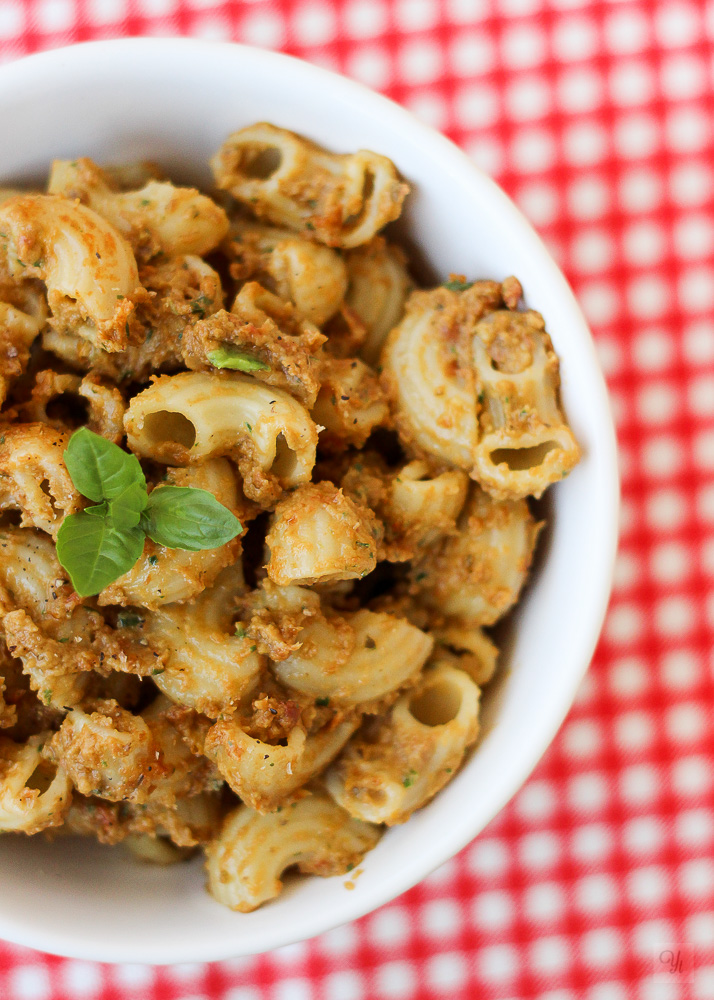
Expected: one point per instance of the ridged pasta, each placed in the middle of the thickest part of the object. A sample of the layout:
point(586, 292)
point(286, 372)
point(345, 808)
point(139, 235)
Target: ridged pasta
point(191, 417)
point(399, 763)
point(275, 700)
point(471, 648)
point(33, 477)
point(207, 667)
point(62, 645)
point(312, 277)
point(24, 807)
point(377, 292)
point(180, 291)
point(356, 660)
point(432, 396)
point(266, 330)
point(107, 751)
point(524, 443)
point(343, 200)
point(175, 220)
point(476, 575)
point(246, 861)
point(350, 404)
point(416, 505)
point(318, 535)
point(55, 396)
point(267, 775)
point(89, 269)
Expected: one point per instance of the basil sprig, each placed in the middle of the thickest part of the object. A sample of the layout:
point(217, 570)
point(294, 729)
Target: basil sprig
point(227, 356)
point(105, 540)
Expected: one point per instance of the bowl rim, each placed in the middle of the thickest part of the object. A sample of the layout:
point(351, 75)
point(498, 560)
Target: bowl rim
point(451, 159)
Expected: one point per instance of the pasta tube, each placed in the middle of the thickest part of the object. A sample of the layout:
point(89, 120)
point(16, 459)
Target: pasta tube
point(191, 417)
point(342, 200)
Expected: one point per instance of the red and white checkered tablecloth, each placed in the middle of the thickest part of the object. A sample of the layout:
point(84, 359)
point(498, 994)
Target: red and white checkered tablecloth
point(597, 118)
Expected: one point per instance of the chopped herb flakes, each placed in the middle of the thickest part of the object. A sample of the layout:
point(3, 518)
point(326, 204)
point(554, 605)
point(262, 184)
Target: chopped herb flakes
point(458, 286)
point(200, 305)
point(227, 356)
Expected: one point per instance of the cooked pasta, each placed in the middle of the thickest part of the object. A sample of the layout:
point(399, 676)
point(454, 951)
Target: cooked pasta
point(246, 860)
point(312, 277)
point(33, 477)
point(176, 220)
point(29, 808)
point(18, 330)
point(207, 667)
point(377, 291)
point(358, 659)
point(524, 443)
point(344, 200)
point(476, 575)
point(350, 404)
point(399, 762)
point(257, 511)
point(194, 416)
point(266, 775)
point(318, 535)
point(89, 269)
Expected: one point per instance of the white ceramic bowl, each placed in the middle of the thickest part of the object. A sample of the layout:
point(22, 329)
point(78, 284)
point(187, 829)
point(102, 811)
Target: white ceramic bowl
point(175, 101)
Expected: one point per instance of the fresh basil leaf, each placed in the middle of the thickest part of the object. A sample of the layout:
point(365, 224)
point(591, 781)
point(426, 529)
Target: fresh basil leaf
point(95, 553)
point(125, 510)
point(99, 469)
point(182, 517)
point(100, 510)
point(231, 357)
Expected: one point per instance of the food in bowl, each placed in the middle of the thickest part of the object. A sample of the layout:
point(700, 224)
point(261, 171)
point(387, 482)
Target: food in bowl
point(247, 555)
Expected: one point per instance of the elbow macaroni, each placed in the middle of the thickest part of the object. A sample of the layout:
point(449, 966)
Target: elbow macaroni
point(312, 277)
point(207, 667)
point(524, 443)
point(177, 220)
point(350, 404)
point(356, 661)
point(378, 287)
point(104, 404)
point(33, 477)
point(476, 575)
point(400, 763)
point(26, 808)
point(342, 200)
point(277, 700)
point(246, 861)
point(194, 416)
point(266, 775)
point(319, 535)
point(432, 395)
point(89, 269)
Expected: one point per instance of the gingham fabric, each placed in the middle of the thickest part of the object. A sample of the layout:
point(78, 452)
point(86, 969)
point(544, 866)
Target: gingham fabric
point(596, 117)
